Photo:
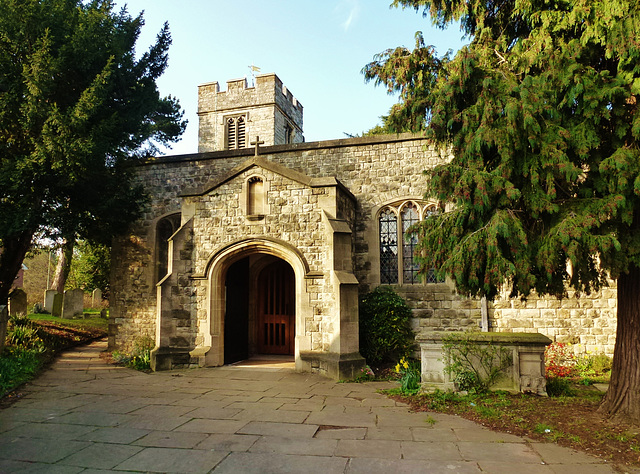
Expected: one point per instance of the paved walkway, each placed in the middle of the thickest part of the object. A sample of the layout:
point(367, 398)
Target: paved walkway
point(86, 416)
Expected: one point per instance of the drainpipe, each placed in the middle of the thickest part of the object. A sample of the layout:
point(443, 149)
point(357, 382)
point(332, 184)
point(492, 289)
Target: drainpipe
point(484, 309)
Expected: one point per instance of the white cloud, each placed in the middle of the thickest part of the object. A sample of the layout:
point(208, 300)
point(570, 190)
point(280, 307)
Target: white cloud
point(350, 9)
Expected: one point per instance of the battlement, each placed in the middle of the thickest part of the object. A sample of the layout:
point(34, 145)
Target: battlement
point(267, 109)
point(266, 85)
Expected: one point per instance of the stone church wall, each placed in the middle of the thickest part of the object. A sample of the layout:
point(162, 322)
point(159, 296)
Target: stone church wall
point(377, 171)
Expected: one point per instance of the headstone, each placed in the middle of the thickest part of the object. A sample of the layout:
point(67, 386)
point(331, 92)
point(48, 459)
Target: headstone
point(73, 303)
point(18, 302)
point(4, 319)
point(56, 308)
point(96, 298)
point(48, 300)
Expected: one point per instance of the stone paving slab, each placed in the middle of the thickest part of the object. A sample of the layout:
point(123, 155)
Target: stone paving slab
point(86, 416)
point(172, 460)
point(261, 463)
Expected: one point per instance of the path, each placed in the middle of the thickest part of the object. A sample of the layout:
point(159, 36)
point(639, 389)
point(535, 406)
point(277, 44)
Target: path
point(83, 415)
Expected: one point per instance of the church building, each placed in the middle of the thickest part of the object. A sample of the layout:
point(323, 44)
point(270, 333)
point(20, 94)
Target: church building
point(261, 243)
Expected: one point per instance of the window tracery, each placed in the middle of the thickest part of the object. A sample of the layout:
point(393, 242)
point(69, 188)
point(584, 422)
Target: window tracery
point(398, 247)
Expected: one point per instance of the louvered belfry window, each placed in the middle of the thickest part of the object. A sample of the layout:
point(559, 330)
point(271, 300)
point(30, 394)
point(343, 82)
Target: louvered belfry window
point(236, 136)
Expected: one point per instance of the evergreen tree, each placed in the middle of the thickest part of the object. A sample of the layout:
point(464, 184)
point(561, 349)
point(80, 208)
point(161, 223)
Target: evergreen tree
point(541, 113)
point(78, 107)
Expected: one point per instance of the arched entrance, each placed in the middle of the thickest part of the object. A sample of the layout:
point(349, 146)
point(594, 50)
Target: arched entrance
point(276, 309)
point(259, 308)
point(260, 271)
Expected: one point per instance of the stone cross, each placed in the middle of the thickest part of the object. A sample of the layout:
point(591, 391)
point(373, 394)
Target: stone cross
point(257, 142)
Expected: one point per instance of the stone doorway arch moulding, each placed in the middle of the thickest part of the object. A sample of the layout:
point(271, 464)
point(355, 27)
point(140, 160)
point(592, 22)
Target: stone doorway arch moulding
point(211, 352)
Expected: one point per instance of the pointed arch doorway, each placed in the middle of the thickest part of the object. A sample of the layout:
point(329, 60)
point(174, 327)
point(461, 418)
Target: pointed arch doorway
point(260, 307)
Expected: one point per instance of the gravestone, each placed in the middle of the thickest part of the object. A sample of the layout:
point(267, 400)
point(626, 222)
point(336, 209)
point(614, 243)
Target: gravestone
point(56, 307)
point(73, 303)
point(48, 300)
point(96, 298)
point(4, 319)
point(18, 302)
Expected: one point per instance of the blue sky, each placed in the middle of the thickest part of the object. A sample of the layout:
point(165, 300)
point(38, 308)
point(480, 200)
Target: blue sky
point(317, 48)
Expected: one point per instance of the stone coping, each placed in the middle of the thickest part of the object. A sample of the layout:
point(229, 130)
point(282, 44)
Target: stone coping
point(515, 338)
point(274, 149)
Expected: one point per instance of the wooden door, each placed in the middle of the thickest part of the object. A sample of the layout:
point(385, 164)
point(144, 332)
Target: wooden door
point(236, 319)
point(276, 311)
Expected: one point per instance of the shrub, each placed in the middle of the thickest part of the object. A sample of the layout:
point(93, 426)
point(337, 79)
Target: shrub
point(559, 360)
point(17, 365)
point(475, 366)
point(22, 333)
point(385, 331)
point(559, 387)
point(601, 364)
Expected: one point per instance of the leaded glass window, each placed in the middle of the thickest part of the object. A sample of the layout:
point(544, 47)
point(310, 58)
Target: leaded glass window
point(398, 247)
point(431, 276)
point(388, 247)
point(409, 241)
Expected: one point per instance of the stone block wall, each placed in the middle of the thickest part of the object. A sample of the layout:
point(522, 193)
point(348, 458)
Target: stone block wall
point(588, 322)
point(375, 171)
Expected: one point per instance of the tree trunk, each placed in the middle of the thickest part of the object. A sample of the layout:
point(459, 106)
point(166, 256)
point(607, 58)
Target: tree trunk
point(11, 256)
point(63, 266)
point(622, 400)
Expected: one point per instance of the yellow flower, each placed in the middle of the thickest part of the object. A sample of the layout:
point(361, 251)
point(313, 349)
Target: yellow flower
point(406, 364)
point(397, 367)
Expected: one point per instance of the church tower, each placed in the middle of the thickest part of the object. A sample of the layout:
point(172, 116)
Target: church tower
point(233, 118)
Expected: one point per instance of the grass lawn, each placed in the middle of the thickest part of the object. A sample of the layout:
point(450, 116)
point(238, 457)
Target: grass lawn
point(91, 323)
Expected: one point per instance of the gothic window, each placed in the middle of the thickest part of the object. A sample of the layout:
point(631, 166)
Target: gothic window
point(410, 268)
point(388, 247)
point(165, 228)
point(398, 246)
point(255, 196)
point(431, 277)
point(236, 133)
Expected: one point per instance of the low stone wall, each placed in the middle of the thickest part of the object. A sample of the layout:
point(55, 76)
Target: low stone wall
point(526, 373)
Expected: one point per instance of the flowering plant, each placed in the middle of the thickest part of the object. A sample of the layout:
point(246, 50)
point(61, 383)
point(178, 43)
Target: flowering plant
point(559, 360)
point(366, 373)
point(410, 376)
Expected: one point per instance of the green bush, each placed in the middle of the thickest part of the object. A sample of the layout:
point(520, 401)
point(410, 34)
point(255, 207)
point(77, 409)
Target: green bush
point(22, 333)
point(385, 331)
point(17, 365)
point(601, 364)
point(559, 387)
